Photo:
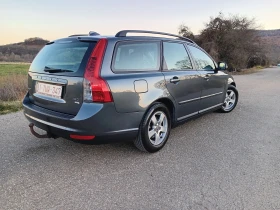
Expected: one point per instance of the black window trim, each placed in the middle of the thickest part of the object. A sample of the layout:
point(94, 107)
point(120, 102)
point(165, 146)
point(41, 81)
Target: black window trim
point(133, 72)
point(187, 51)
point(193, 59)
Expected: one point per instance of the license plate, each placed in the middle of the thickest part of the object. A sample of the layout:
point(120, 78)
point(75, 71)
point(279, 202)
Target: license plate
point(49, 90)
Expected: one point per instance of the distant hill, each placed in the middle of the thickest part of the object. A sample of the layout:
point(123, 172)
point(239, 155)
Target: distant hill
point(22, 51)
point(269, 33)
point(270, 40)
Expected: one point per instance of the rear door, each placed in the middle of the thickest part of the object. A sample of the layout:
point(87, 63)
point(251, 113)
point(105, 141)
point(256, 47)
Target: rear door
point(182, 80)
point(56, 75)
point(213, 82)
point(136, 80)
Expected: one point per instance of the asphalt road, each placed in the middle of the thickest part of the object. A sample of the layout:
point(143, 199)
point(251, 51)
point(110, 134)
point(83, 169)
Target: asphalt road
point(219, 161)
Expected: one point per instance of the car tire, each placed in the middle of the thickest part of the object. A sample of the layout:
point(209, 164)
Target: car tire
point(154, 129)
point(231, 99)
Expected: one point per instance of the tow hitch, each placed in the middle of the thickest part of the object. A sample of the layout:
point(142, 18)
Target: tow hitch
point(47, 135)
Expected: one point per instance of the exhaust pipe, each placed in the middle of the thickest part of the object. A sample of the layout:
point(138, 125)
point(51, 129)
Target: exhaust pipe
point(47, 135)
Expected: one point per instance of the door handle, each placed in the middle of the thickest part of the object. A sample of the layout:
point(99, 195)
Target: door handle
point(175, 80)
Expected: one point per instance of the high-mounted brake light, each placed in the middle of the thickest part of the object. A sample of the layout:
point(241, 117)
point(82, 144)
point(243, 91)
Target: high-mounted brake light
point(95, 88)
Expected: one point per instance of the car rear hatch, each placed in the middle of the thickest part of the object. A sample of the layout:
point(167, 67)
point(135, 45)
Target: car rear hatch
point(56, 75)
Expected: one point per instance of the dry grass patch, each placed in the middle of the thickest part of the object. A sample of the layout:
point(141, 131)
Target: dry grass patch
point(13, 86)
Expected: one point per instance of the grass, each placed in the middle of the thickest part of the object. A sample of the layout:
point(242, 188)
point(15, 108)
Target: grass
point(13, 68)
point(13, 86)
point(10, 106)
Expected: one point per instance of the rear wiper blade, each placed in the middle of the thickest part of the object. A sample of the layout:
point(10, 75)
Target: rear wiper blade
point(51, 70)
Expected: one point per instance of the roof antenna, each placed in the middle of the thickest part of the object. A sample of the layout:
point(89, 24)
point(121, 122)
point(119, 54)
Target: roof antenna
point(93, 33)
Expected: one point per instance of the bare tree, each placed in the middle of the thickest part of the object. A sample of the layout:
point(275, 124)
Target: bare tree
point(185, 32)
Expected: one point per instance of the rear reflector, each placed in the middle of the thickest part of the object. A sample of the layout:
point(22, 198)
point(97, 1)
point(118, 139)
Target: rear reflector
point(79, 137)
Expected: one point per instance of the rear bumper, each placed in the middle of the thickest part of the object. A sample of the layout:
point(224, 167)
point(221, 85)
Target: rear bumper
point(100, 120)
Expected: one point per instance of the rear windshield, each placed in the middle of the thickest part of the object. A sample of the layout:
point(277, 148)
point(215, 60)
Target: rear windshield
point(70, 57)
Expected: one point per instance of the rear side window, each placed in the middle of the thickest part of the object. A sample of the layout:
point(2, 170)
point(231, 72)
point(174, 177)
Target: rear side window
point(136, 56)
point(67, 55)
point(175, 57)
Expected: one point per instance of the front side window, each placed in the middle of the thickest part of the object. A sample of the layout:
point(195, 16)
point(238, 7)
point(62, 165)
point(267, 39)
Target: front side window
point(136, 56)
point(176, 56)
point(202, 60)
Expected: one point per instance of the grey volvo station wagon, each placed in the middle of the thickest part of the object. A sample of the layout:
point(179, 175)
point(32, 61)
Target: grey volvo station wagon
point(98, 89)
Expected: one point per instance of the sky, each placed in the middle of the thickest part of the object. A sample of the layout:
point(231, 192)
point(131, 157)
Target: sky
point(53, 19)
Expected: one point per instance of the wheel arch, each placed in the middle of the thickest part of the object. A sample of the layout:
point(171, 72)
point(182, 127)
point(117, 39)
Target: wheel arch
point(231, 81)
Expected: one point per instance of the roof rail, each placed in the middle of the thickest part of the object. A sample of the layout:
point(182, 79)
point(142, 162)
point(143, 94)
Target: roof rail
point(124, 33)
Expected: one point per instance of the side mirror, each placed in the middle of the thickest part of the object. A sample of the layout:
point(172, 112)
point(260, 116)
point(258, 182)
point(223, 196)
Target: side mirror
point(222, 66)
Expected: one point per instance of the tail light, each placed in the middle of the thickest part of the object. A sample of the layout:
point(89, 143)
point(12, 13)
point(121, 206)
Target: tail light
point(95, 88)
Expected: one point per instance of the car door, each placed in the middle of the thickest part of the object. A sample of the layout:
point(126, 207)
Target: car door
point(213, 81)
point(182, 80)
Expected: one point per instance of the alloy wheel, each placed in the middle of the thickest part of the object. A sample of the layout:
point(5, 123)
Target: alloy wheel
point(157, 128)
point(229, 100)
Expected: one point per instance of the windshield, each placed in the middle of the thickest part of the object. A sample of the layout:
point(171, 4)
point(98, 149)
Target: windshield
point(64, 56)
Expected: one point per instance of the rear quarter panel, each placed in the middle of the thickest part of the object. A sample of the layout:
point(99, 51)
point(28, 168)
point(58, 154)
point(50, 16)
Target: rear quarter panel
point(127, 99)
